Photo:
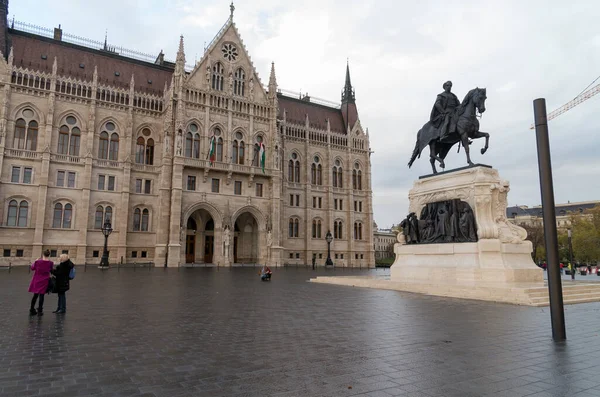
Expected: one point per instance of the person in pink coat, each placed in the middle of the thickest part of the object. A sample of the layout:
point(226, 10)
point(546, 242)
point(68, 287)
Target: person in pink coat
point(39, 282)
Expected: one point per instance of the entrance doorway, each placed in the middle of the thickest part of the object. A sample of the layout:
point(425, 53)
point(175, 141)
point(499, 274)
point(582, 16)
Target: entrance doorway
point(209, 246)
point(245, 241)
point(190, 248)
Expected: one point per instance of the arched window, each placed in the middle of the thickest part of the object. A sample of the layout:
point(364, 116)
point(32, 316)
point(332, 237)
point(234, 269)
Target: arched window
point(150, 151)
point(291, 171)
point(255, 155)
point(357, 231)
point(338, 174)
point(141, 220)
point(137, 218)
point(316, 172)
point(297, 172)
point(238, 149)
point(103, 146)
point(108, 149)
point(316, 228)
point(294, 169)
point(293, 227)
point(195, 152)
point(102, 214)
point(357, 177)
point(140, 150)
point(337, 229)
point(217, 134)
point(62, 216)
point(189, 139)
point(354, 179)
point(26, 130)
point(339, 233)
point(217, 76)
point(145, 216)
point(113, 152)
point(69, 137)
point(239, 82)
point(13, 210)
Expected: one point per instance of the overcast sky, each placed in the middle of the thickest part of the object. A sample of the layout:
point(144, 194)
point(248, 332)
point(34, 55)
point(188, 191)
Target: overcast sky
point(400, 54)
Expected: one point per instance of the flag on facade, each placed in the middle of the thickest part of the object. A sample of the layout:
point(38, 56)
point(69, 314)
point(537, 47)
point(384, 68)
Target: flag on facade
point(212, 151)
point(261, 156)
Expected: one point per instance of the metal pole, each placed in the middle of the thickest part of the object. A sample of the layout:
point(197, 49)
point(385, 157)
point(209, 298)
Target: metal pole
point(104, 259)
point(557, 314)
point(571, 255)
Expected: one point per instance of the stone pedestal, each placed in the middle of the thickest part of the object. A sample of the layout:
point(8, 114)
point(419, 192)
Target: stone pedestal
point(501, 254)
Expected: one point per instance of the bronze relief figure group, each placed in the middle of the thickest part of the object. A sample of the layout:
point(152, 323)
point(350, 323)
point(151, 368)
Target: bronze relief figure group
point(450, 221)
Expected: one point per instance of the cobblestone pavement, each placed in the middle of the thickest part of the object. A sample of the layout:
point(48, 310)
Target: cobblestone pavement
point(220, 332)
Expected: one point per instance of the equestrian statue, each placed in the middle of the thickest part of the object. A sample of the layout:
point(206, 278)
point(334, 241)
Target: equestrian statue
point(451, 122)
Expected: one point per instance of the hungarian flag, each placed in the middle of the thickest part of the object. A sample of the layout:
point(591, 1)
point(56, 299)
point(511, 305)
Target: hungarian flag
point(212, 150)
point(261, 156)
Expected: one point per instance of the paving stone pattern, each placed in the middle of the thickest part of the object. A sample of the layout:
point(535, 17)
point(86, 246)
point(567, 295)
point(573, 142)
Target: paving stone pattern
point(220, 332)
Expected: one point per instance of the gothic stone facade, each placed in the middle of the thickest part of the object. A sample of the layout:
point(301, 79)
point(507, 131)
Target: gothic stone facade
point(88, 135)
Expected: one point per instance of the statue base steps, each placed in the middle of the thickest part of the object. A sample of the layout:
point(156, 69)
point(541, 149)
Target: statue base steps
point(527, 294)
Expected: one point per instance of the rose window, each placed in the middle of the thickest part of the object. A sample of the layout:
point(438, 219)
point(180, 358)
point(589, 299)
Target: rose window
point(229, 52)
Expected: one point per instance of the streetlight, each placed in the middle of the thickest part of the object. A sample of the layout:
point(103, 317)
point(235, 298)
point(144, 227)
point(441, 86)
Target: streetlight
point(329, 239)
point(106, 231)
point(570, 234)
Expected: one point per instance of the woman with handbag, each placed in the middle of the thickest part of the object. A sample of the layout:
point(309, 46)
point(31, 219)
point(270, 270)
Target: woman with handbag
point(63, 275)
point(39, 283)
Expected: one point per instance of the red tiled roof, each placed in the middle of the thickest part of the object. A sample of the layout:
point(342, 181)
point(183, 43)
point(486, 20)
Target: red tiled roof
point(297, 109)
point(28, 50)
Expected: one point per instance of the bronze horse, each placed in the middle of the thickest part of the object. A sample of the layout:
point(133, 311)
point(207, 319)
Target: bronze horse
point(467, 127)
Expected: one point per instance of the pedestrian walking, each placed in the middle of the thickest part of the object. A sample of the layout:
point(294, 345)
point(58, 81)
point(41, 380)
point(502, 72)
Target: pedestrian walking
point(314, 260)
point(39, 283)
point(63, 274)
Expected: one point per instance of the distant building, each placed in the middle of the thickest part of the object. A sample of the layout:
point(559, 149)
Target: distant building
point(383, 241)
point(524, 215)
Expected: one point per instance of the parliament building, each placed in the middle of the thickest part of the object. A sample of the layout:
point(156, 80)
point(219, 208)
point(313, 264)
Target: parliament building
point(199, 164)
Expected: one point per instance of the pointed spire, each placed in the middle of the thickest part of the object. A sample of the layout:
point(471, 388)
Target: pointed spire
point(348, 93)
point(272, 80)
point(95, 76)
point(54, 67)
point(231, 9)
point(105, 40)
point(11, 57)
point(180, 52)
point(132, 83)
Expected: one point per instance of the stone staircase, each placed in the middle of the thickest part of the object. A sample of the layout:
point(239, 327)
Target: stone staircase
point(578, 292)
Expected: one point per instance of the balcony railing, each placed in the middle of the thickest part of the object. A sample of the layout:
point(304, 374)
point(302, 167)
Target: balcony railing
point(26, 154)
point(226, 167)
point(106, 163)
point(145, 167)
point(65, 158)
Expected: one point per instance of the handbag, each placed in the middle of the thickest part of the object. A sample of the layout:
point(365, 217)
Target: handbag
point(72, 273)
point(51, 285)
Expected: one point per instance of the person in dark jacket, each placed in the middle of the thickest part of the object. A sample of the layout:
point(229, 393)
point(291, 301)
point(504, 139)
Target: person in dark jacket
point(61, 272)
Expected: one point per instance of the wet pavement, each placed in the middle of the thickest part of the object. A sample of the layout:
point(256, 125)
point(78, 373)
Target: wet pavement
point(223, 332)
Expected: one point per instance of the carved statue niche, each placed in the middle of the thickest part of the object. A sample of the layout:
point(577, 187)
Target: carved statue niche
point(450, 221)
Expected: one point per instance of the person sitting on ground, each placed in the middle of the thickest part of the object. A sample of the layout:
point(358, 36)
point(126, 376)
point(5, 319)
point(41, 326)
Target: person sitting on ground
point(265, 272)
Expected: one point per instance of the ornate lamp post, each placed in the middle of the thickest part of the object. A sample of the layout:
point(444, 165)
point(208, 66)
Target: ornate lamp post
point(329, 239)
point(106, 231)
point(570, 234)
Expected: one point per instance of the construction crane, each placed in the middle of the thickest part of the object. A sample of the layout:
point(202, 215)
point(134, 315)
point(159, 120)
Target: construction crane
point(584, 96)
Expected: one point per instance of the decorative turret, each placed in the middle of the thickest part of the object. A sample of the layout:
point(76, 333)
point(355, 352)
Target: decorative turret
point(348, 92)
point(180, 60)
point(272, 82)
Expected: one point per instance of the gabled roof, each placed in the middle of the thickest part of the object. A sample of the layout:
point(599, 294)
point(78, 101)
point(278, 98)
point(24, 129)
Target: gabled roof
point(28, 50)
point(297, 109)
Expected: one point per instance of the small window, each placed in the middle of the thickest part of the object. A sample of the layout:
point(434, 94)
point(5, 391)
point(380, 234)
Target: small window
point(19, 253)
point(134, 254)
point(60, 178)
point(297, 255)
point(361, 256)
point(16, 174)
point(297, 200)
point(291, 255)
point(138, 185)
point(341, 204)
point(314, 202)
point(101, 180)
point(111, 183)
point(95, 254)
point(259, 190)
point(191, 183)
point(355, 256)
point(147, 186)
point(144, 254)
point(215, 185)
point(71, 180)
point(27, 175)
point(336, 256)
point(335, 201)
point(53, 253)
point(291, 200)
point(320, 202)
point(360, 206)
point(6, 252)
point(320, 256)
point(341, 256)
point(237, 188)
point(65, 252)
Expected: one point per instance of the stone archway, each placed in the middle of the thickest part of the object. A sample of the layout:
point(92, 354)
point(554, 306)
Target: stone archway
point(202, 234)
point(246, 238)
